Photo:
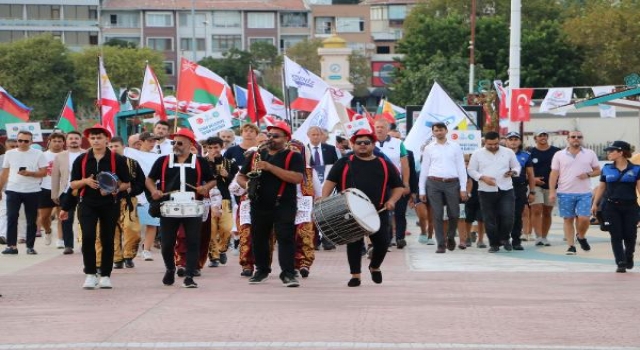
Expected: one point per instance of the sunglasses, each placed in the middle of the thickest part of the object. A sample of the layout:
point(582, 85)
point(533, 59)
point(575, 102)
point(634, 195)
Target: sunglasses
point(575, 137)
point(23, 141)
point(176, 143)
point(363, 142)
point(274, 136)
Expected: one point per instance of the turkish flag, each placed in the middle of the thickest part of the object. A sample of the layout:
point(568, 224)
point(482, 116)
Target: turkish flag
point(520, 105)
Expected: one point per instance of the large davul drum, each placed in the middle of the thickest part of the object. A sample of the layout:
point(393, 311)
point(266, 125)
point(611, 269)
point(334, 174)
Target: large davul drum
point(346, 217)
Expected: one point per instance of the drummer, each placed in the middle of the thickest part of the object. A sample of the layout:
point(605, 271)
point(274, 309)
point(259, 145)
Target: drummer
point(368, 173)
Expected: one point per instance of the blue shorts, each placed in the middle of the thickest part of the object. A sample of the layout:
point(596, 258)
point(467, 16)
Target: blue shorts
point(571, 205)
point(145, 218)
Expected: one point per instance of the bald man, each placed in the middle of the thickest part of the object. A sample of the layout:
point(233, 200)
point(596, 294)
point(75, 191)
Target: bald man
point(134, 141)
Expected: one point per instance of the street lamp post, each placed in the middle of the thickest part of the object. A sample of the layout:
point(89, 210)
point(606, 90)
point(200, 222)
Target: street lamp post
point(193, 29)
point(472, 43)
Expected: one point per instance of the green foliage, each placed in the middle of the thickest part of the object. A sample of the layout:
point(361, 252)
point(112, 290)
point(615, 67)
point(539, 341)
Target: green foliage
point(233, 66)
point(360, 74)
point(125, 67)
point(305, 53)
point(38, 72)
point(120, 43)
point(264, 53)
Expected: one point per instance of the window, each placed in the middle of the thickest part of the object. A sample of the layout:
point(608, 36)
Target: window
point(222, 43)
point(55, 12)
point(379, 13)
point(160, 44)
point(76, 12)
point(186, 22)
point(349, 25)
point(169, 67)
point(260, 20)
point(41, 12)
point(324, 25)
point(227, 19)
point(383, 49)
point(294, 20)
point(125, 20)
point(288, 41)
point(187, 44)
point(93, 38)
point(93, 12)
point(159, 19)
point(397, 12)
point(10, 11)
point(260, 40)
point(7, 36)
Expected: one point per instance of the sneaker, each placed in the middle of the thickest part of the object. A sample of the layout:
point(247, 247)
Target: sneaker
point(430, 241)
point(494, 249)
point(197, 273)
point(422, 239)
point(304, 272)
point(180, 272)
point(451, 244)
point(31, 251)
point(571, 250)
point(147, 255)
point(47, 239)
point(481, 245)
point(3, 240)
point(223, 258)
point(246, 273)
point(539, 242)
point(90, 282)
point(10, 251)
point(629, 262)
point(189, 283)
point(128, 263)
point(105, 282)
point(258, 277)
point(118, 265)
point(169, 277)
point(621, 269)
point(401, 243)
point(60, 244)
point(289, 281)
point(584, 244)
point(67, 251)
point(214, 263)
point(354, 282)
point(507, 246)
point(546, 242)
point(518, 247)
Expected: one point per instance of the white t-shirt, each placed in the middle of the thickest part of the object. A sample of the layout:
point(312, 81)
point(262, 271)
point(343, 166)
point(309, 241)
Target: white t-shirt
point(32, 160)
point(46, 181)
point(165, 147)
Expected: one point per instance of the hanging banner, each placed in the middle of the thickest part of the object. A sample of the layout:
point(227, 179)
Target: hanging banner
point(606, 111)
point(556, 97)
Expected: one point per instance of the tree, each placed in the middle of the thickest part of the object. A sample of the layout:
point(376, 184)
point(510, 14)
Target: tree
point(305, 53)
point(360, 74)
point(38, 72)
point(125, 67)
point(120, 43)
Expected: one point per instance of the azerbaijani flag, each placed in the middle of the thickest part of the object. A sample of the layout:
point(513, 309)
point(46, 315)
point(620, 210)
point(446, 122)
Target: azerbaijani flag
point(67, 121)
point(198, 84)
point(11, 110)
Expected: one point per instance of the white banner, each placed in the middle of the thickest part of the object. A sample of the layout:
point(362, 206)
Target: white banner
point(606, 111)
point(355, 125)
point(324, 115)
point(208, 124)
point(556, 97)
point(310, 85)
point(469, 140)
point(34, 128)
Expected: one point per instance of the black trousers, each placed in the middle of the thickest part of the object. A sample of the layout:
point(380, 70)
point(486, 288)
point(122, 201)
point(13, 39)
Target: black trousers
point(67, 225)
point(380, 241)
point(497, 211)
point(520, 192)
point(400, 216)
point(622, 220)
point(169, 229)
point(281, 220)
point(89, 216)
point(14, 201)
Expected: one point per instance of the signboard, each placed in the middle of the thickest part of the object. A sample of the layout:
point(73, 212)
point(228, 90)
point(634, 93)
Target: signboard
point(34, 128)
point(383, 73)
point(208, 124)
point(469, 140)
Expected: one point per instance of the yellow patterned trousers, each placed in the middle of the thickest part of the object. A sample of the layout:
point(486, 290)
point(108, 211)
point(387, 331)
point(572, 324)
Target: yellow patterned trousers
point(220, 231)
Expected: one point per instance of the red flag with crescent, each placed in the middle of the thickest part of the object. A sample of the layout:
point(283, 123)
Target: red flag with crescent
point(521, 105)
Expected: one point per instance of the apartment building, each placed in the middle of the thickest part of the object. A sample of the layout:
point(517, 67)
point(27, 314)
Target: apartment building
point(350, 22)
point(74, 22)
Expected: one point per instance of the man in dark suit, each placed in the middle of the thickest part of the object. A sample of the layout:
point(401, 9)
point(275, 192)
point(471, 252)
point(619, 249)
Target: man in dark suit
point(322, 154)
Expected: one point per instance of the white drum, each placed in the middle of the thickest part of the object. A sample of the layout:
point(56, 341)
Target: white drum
point(346, 217)
point(182, 205)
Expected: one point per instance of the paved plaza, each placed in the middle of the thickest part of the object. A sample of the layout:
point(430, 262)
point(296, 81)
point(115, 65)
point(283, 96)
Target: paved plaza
point(536, 299)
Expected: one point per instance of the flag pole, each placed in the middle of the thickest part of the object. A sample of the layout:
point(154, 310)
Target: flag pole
point(287, 98)
point(458, 105)
point(99, 103)
point(175, 117)
point(64, 104)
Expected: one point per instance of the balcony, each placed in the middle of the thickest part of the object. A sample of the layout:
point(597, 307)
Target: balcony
point(47, 23)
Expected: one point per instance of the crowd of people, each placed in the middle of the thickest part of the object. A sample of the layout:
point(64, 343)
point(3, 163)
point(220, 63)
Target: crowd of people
point(195, 201)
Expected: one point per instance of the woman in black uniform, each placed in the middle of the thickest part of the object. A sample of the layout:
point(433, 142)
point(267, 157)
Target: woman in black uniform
point(617, 193)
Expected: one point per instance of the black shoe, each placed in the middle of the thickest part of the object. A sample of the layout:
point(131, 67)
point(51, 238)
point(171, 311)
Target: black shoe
point(571, 250)
point(197, 273)
point(630, 263)
point(376, 276)
point(289, 281)
point(354, 282)
point(621, 269)
point(118, 265)
point(3, 240)
point(401, 243)
point(518, 247)
point(507, 246)
point(180, 272)
point(304, 272)
point(236, 243)
point(169, 278)
point(451, 244)
point(441, 249)
point(494, 249)
point(10, 251)
point(328, 247)
point(214, 263)
point(67, 251)
point(128, 263)
point(189, 283)
point(31, 251)
point(246, 273)
point(258, 277)
point(584, 244)
point(223, 258)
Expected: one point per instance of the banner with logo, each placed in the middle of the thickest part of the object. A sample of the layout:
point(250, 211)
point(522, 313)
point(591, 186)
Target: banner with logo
point(208, 124)
point(469, 140)
point(556, 97)
point(34, 128)
point(358, 124)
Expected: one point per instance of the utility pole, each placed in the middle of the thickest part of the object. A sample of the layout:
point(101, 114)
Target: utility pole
point(514, 56)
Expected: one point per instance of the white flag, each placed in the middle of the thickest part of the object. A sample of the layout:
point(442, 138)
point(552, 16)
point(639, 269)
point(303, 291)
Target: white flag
point(273, 104)
point(311, 86)
point(438, 108)
point(151, 94)
point(107, 100)
point(208, 124)
point(556, 97)
point(324, 115)
point(606, 111)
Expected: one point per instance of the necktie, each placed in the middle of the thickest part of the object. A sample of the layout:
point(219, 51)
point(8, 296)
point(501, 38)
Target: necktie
point(316, 156)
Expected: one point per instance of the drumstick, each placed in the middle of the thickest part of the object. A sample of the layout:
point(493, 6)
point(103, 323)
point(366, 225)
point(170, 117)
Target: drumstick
point(381, 210)
point(192, 186)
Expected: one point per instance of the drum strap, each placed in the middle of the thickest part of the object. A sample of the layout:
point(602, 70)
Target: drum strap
point(84, 167)
point(384, 183)
point(165, 165)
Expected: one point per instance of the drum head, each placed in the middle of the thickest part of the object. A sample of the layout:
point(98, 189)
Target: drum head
point(107, 182)
point(362, 210)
